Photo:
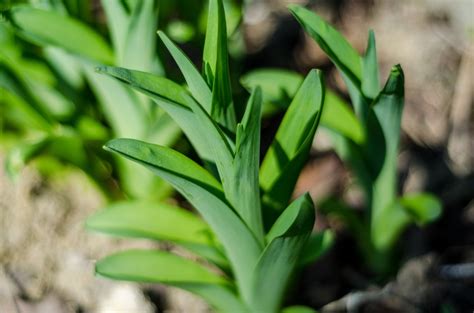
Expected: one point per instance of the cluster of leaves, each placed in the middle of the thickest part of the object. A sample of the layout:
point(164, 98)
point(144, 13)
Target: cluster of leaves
point(367, 139)
point(251, 236)
point(45, 93)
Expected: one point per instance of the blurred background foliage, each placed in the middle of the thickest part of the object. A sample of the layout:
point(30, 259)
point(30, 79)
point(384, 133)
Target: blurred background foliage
point(56, 113)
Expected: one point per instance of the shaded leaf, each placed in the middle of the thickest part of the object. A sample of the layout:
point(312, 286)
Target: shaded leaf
point(317, 245)
point(275, 267)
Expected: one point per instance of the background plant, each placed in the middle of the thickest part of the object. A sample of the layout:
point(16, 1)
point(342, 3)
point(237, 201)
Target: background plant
point(367, 139)
point(46, 94)
point(255, 247)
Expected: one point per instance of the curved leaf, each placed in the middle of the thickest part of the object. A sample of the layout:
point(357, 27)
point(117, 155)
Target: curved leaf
point(163, 267)
point(61, 31)
point(151, 219)
point(197, 86)
point(287, 238)
point(423, 207)
point(205, 193)
point(290, 148)
point(331, 42)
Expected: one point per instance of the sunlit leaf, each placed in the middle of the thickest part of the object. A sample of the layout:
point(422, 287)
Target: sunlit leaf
point(163, 267)
point(290, 148)
point(205, 193)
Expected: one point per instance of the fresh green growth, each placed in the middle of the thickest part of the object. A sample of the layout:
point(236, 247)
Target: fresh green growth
point(250, 234)
point(51, 93)
point(366, 139)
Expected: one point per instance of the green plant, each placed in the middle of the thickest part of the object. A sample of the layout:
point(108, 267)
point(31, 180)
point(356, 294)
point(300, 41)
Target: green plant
point(250, 235)
point(367, 139)
point(71, 51)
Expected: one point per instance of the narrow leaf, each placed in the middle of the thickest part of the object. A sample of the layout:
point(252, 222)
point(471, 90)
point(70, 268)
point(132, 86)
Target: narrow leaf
point(117, 21)
point(290, 148)
point(331, 42)
point(370, 69)
point(286, 239)
point(197, 85)
point(165, 268)
point(245, 195)
point(388, 109)
point(216, 66)
point(61, 31)
point(205, 193)
point(170, 97)
point(140, 45)
point(151, 219)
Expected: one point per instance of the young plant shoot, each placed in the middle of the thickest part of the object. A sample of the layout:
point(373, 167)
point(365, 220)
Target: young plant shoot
point(250, 233)
point(367, 139)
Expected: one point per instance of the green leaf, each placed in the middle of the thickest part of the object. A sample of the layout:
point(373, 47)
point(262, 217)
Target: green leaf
point(422, 207)
point(119, 104)
point(388, 109)
point(278, 86)
point(205, 194)
point(216, 66)
point(19, 112)
point(151, 219)
point(286, 238)
point(171, 97)
point(331, 42)
point(298, 309)
point(245, 195)
point(317, 245)
point(55, 29)
point(370, 69)
point(290, 148)
point(163, 267)
point(341, 53)
point(118, 22)
point(197, 85)
point(338, 117)
point(140, 44)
